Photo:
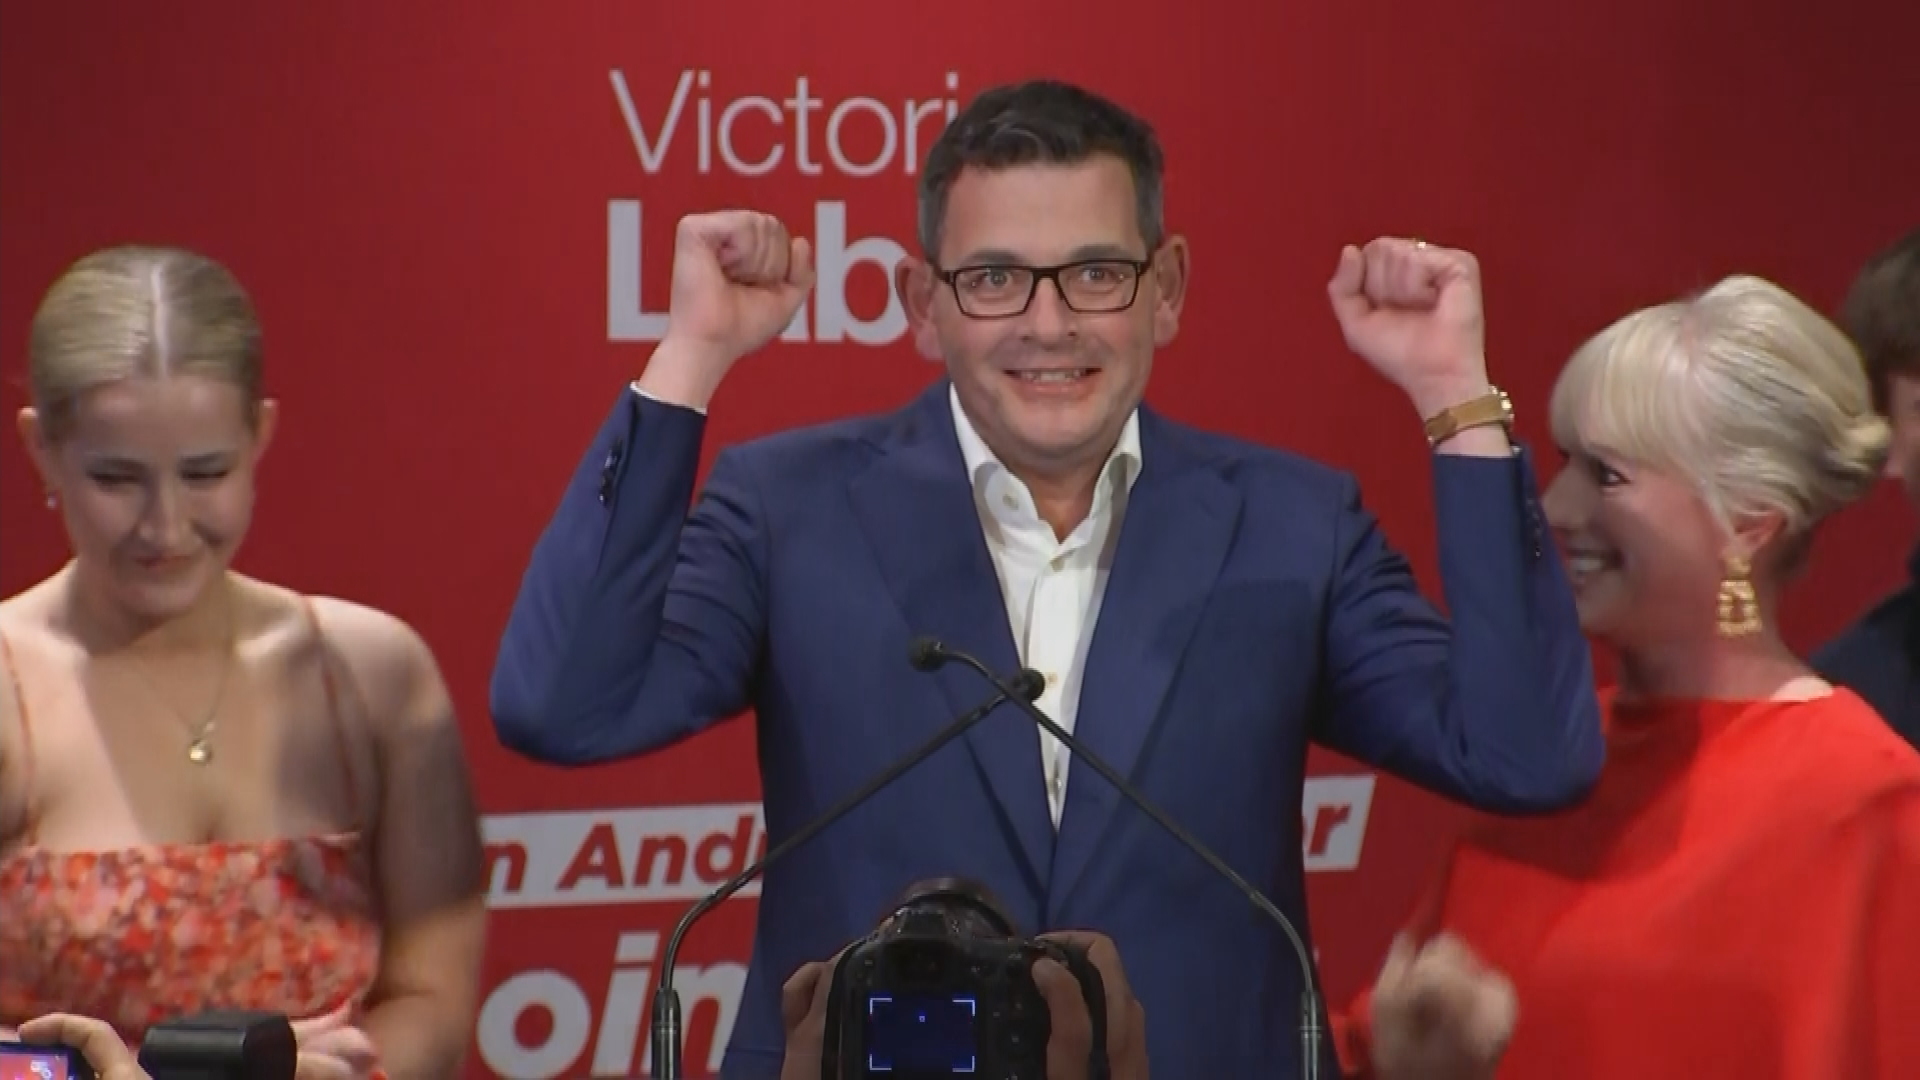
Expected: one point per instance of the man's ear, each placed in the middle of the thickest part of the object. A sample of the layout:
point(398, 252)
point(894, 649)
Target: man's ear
point(919, 287)
point(1168, 278)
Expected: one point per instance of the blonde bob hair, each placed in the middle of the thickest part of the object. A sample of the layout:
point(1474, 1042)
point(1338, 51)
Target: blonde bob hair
point(1744, 391)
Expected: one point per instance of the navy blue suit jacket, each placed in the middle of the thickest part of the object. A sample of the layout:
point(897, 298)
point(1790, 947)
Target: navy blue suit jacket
point(1878, 657)
point(1253, 606)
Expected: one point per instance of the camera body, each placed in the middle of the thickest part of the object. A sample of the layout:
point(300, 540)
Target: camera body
point(222, 1045)
point(31, 1061)
point(227, 1045)
point(944, 987)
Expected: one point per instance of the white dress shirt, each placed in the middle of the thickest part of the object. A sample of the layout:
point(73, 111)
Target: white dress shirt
point(1052, 587)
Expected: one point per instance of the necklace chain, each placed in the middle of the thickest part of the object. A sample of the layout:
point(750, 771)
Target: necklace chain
point(199, 736)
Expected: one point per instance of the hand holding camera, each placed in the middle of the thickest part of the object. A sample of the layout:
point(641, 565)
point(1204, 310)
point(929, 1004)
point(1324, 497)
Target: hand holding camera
point(1071, 1044)
point(944, 985)
point(87, 1047)
point(212, 1045)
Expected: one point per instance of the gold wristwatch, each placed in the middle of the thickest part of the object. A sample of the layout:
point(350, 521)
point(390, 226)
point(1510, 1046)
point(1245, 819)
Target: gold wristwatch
point(1492, 407)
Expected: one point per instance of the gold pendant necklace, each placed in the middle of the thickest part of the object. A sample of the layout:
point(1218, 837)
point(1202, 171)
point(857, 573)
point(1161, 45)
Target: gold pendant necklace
point(200, 741)
point(200, 747)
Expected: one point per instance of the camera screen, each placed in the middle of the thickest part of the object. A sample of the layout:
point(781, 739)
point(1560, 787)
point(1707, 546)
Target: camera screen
point(33, 1063)
point(932, 1035)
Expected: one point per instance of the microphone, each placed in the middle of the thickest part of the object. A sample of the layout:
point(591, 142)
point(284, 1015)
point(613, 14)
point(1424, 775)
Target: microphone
point(928, 654)
point(1024, 687)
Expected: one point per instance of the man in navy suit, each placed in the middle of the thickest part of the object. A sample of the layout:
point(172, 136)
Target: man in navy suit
point(1201, 607)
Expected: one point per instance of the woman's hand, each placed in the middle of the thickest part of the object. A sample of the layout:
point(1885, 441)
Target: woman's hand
point(1439, 1013)
point(332, 1048)
point(96, 1040)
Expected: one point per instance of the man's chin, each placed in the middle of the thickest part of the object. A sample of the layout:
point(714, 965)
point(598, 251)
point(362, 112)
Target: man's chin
point(1062, 443)
point(1062, 424)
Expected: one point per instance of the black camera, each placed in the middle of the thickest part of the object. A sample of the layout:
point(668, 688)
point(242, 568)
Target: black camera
point(944, 987)
point(206, 1046)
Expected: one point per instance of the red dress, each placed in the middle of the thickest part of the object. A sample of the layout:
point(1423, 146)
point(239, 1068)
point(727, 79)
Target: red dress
point(1739, 898)
point(141, 935)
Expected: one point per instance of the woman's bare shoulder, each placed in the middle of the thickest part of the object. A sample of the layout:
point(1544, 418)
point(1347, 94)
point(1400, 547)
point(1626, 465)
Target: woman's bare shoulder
point(26, 633)
point(29, 639)
point(28, 613)
point(389, 662)
point(352, 632)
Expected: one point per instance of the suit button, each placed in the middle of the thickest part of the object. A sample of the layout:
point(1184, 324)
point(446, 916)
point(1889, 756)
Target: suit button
point(610, 471)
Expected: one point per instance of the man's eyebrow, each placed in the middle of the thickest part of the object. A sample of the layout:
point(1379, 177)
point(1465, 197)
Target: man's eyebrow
point(1003, 257)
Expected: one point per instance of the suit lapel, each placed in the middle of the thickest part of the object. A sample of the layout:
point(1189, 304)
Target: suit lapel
point(916, 505)
point(1179, 524)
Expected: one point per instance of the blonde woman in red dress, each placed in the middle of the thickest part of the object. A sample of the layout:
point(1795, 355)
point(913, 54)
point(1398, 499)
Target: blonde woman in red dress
point(1740, 895)
point(214, 791)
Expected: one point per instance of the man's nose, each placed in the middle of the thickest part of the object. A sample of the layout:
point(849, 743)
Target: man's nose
point(1049, 317)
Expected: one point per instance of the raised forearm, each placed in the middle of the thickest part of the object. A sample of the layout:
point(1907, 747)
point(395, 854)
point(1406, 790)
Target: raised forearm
point(581, 636)
point(1522, 706)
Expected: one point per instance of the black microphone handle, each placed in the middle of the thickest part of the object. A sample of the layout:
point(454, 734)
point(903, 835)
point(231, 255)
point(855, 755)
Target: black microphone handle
point(1311, 1033)
point(666, 1000)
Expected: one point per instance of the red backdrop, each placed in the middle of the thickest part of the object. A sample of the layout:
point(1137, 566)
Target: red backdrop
point(456, 224)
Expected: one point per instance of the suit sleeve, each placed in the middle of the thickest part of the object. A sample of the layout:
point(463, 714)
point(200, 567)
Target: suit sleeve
point(637, 623)
point(1496, 710)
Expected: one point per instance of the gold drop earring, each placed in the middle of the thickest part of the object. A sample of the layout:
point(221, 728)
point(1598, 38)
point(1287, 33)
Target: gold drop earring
point(1739, 607)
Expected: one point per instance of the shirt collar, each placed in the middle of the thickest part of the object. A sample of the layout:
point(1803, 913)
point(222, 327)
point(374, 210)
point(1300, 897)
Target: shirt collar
point(1121, 469)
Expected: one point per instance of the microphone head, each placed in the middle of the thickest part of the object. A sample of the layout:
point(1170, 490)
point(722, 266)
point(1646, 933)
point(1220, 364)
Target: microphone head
point(1030, 684)
point(926, 654)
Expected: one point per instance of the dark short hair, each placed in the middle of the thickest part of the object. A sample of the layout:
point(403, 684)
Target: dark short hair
point(1041, 122)
point(1882, 314)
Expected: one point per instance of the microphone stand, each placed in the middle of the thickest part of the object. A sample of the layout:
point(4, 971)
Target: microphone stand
point(666, 1022)
point(928, 654)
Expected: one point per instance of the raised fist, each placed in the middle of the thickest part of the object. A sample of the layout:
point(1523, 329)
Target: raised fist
point(1439, 1013)
point(738, 277)
point(1413, 311)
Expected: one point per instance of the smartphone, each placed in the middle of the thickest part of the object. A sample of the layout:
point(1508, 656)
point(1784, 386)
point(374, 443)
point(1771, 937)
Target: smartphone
point(28, 1061)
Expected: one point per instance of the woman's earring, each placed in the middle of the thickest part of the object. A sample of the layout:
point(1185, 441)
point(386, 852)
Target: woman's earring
point(53, 499)
point(1739, 607)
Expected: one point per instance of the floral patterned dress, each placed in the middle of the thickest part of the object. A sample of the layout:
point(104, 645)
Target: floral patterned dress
point(138, 936)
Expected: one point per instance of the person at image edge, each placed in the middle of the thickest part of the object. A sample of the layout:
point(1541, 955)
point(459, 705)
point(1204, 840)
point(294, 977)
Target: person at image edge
point(1739, 896)
point(1248, 606)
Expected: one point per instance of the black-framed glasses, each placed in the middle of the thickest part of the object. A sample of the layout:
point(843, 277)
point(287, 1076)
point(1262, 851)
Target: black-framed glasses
point(1089, 286)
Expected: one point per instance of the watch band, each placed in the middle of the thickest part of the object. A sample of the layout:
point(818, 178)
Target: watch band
point(1492, 407)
